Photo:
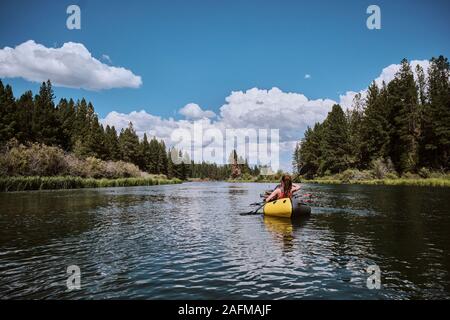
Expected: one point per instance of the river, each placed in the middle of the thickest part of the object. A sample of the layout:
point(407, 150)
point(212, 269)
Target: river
point(188, 241)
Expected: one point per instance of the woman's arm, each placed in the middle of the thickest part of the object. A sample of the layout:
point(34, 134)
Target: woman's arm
point(295, 188)
point(273, 195)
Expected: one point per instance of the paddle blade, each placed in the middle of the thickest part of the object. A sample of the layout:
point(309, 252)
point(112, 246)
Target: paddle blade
point(254, 212)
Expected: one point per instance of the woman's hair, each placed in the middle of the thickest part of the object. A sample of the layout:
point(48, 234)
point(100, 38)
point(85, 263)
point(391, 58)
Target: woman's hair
point(287, 183)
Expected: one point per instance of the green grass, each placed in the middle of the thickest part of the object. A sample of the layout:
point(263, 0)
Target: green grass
point(422, 182)
point(425, 182)
point(49, 183)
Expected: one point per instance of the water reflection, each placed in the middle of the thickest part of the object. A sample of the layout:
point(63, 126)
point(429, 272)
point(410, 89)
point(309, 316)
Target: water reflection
point(189, 242)
point(285, 231)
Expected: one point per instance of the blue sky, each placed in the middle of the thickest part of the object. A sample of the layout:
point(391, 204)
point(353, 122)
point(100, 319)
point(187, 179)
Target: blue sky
point(198, 52)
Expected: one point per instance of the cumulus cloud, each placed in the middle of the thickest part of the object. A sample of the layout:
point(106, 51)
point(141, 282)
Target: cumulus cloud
point(291, 113)
point(106, 58)
point(255, 108)
point(143, 122)
point(71, 65)
point(386, 75)
point(346, 100)
point(193, 111)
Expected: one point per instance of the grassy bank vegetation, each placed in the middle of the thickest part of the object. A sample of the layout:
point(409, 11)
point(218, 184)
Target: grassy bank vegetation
point(431, 182)
point(381, 173)
point(424, 178)
point(273, 178)
point(39, 167)
point(68, 182)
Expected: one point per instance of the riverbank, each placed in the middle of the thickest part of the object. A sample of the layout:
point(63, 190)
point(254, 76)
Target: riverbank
point(421, 182)
point(426, 182)
point(19, 183)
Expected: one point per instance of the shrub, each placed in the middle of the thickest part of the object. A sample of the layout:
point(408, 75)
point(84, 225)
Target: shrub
point(75, 166)
point(409, 175)
point(122, 169)
point(424, 172)
point(95, 168)
point(247, 177)
point(391, 176)
point(35, 160)
point(355, 175)
point(47, 161)
point(381, 167)
point(348, 175)
point(42, 160)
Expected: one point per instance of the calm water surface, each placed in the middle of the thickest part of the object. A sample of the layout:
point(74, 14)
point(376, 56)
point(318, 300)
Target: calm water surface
point(189, 242)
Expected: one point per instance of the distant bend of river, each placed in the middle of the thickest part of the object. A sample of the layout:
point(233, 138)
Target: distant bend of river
point(188, 241)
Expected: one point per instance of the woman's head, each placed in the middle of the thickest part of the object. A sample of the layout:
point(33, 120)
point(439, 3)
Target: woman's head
point(286, 182)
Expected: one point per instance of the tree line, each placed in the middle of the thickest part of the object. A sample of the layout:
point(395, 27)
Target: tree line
point(74, 127)
point(405, 124)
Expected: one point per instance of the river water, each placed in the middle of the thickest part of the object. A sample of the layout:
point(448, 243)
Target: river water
point(188, 241)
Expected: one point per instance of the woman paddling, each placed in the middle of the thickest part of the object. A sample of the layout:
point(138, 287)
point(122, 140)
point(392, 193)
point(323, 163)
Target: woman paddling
point(285, 190)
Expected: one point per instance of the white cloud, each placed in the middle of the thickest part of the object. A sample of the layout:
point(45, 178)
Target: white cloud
point(386, 75)
point(192, 111)
point(346, 100)
point(143, 122)
point(291, 113)
point(106, 58)
point(255, 108)
point(72, 66)
point(307, 76)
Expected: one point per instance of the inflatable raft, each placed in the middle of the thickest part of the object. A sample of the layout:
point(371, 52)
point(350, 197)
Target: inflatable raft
point(286, 208)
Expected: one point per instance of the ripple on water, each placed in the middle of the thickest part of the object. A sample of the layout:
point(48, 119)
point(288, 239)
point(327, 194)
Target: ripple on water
point(189, 241)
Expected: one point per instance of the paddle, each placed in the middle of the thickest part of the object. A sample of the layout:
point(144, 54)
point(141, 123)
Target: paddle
point(253, 212)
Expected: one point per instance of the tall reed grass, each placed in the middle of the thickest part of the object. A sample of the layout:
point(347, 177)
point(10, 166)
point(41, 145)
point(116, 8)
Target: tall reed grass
point(19, 183)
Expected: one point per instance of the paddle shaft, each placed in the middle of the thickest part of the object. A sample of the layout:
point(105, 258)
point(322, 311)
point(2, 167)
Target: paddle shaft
point(254, 212)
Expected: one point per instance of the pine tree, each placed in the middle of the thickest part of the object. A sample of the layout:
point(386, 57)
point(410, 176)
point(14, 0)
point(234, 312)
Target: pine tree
point(170, 165)
point(421, 85)
point(96, 140)
point(7, 113)
point(438, 115)
point(66, 117)
point(310, 153)
point(186, 166)
point(145, 154)
point(112, 143)
point(129, 145)
point(153, 159)
point(355, 121)
point(235, 168)
point(80, 125)
point(174, 161)
point(162, 162)
point(296, 162)
point(335, 144)
point(23, 118)
point(375, 128)
point(45, 125)
point(407, 121)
